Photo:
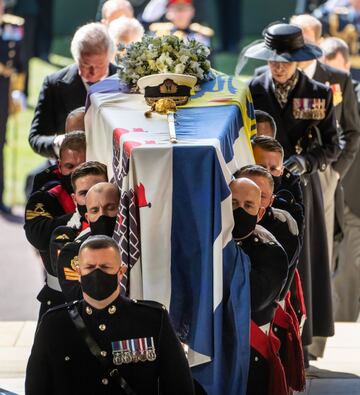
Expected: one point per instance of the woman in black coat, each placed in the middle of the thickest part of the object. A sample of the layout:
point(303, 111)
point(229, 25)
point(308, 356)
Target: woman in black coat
point(306, 128)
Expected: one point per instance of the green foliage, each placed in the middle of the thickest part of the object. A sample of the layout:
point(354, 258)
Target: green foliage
point(19, 157)
point(167, 54)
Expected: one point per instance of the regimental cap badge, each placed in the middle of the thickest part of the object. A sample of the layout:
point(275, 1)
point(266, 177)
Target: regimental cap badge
point(167, 85)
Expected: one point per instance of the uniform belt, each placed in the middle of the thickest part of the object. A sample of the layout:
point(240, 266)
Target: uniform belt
point(53, 282)
point(5, 71)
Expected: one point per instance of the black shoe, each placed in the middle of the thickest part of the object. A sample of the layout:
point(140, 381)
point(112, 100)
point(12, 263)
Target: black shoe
point(312, 357)
point(5, 209)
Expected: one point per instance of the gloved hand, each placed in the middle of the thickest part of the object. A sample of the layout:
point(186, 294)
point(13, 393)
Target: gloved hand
point(57, 143)
point(75, 221)
point(285, 216)
point(297, 165)
point(18, 101)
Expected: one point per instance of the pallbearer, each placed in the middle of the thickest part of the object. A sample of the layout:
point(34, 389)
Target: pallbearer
point(306, 128)
point(106, 344)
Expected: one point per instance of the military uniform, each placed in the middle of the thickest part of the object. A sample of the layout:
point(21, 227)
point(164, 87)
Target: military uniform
point(344, 23)
point(195, 31)
point(61, 363)
point(45, 211)
point(309, 104)
point(11, 35)
point(67, 262)
point(269, 269)
point(288, 239)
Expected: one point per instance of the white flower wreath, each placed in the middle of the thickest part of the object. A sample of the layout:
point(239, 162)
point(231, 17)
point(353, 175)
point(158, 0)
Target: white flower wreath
point(167, 54)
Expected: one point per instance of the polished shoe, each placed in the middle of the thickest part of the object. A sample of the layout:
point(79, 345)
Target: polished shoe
point(4, 209)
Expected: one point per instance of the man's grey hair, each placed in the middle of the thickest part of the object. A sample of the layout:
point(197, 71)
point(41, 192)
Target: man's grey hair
point(100, 242)
point(306, 21)
point(331, 46)
point(125, 30)
point(91, 39)
point(113, 6)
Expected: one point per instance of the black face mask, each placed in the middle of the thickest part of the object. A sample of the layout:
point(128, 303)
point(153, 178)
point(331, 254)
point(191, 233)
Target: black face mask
point(99, 285)
point(81, 209)
point(66, 183)
point(277, 182)
point(103, 226)
point(244, 223)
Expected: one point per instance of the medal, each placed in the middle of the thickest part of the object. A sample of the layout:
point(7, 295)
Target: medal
point(134, 353)
point(150, 349)
point(117, 353)
point(133, 350)
point(127, 358)
point(309, 108)
point(142, 355)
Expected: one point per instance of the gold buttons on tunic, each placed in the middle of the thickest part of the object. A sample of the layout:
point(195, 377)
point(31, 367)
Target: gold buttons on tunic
point(88, 310)
point(105, 381)
point(11, 53)
point(67, 358)
point(256, 359)
point(102, 327)
point(112, 309)
point(48, 302)
point(103, 353)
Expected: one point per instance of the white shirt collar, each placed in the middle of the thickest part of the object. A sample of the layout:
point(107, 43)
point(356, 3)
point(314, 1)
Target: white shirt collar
point(87, 86)
point(310, 70)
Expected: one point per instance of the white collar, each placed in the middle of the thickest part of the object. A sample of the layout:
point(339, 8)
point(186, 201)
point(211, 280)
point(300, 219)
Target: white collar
point(87, 86)
point(310, 70)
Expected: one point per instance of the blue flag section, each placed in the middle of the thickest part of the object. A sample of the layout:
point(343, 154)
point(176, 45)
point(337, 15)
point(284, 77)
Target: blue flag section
point(221, 330)
point(222, 123)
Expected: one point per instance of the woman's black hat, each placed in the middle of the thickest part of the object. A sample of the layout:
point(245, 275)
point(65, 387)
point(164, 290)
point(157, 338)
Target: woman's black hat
point(283, 42)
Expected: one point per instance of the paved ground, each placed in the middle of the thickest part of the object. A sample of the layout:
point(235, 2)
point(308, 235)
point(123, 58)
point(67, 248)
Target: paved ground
point(21, 274)
point(338, 373)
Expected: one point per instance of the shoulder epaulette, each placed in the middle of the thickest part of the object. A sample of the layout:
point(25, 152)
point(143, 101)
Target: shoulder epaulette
point(204, 30)
point(13, 19)
point(161, 26)
point(265, 235)
point(148, 303)
point(60, 307)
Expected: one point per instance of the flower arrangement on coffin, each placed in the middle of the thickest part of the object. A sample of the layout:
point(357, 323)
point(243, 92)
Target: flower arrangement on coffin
point(166, 54)
point(166, 69)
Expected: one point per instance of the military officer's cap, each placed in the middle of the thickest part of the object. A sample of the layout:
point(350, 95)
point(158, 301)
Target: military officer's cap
point(179, 2)
point(283, 42)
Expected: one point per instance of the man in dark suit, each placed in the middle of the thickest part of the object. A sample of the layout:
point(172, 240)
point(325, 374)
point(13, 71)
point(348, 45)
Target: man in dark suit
point(66, 89)
point(106, 344)
point(346, 280)
point(347, 116)
point(306, 128)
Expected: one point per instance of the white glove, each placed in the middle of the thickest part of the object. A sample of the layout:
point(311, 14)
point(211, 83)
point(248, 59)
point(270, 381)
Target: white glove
point(19, 100)
point(284, 216)
point(57, 143)
point(75, 221)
